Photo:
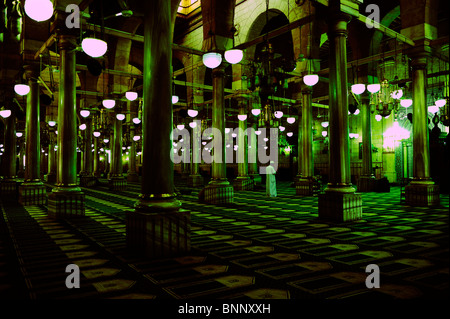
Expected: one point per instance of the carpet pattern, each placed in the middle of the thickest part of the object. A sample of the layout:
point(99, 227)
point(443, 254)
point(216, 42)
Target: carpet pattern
point(254, 248)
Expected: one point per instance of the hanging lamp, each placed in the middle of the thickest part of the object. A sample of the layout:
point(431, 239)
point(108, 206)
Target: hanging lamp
point(39, 10)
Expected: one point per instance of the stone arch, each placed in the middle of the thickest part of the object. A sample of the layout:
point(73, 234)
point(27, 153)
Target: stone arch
point(177, 64)
point(122, 55)
point(257, 27)
point(251, 17)
point(374, 46)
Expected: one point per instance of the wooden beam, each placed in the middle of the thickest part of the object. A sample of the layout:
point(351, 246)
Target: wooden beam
point(44, 47)
point(385, 30)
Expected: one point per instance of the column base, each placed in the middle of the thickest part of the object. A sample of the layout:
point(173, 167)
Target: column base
point(66, 204)
point(217, 192)
point(390, 175)
point(297, 178)
point(88, 181)
point(257, 179)
point(422, 194)
point(132, 177)
point(195, 181)
point(117, 184)
point(9, 190)
point(366, 183)
point(32, 193)
point(243, 183)
point(339, 206)
point(305, 186)
point(185, 175)
point(50, 178)
point(159, 234)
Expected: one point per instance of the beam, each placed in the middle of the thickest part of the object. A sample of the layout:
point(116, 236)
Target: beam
point(385, 30)
point(362, 18)
point(44, 47)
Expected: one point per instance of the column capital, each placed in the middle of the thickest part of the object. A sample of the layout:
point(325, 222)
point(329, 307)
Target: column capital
point(32, 71)
point(242, 100)
point(306, 89)
point(419, 60)
point(219, 71)
point(59, 27)
point(338, 24)
point(67, 42)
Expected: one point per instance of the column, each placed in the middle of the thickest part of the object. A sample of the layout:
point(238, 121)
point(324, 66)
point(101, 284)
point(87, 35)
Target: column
point(96, 158)
point(116, 180)
point(299, 138)
point(195, 179)
point(87, 178)
point(366, 181)
point(109, 159)
point(339, 202)
point(243, 180)
point(32, 191)
point(8, 185)
point(218, 189)
point(132, 175)
point(21, 171)
point(421, 191)
point(185, 166)
point(388, 154)
point(253, 152)
point(66, 199)
point(51, 175)
point(158, 227)
point(305, 183)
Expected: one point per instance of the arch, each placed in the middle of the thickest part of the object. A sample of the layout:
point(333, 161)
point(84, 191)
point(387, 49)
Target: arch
point(256, 29)
point(378, 36)
point(122, 54)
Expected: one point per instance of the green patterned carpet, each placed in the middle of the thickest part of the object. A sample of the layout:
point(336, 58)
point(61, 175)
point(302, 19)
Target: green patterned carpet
point(255, 248)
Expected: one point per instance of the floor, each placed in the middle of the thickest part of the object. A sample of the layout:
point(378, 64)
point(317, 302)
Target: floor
point(256, 248)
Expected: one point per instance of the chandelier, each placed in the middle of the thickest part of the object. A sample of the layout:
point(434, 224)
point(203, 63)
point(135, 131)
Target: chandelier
point(387, 99)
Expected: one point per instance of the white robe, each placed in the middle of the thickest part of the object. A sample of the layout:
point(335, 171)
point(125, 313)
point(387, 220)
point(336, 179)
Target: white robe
point(271, 184)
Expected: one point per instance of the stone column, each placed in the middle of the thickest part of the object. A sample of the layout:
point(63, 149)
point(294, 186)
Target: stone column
point(299, 145)
point(132, 174)
point(366, 181)
point(253, 152)
point(21, 171)
point(51, 175)
point(243, 180)
point(96, 158)
point(421, 191)
point(87, 178)
point(158, 227)
point(8, 185)
point(185, 166)
point(109, 159)
point(116, 180)
point(32, 191)
point(195, 179)
point(66, 199)
point(218, 189)
point(305, 183)
point(339, 202)
point(388, 155)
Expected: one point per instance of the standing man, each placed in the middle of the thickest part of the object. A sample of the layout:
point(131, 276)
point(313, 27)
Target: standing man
point(271, 183)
